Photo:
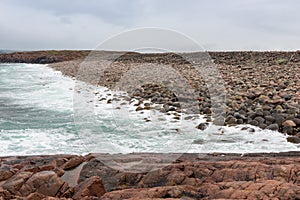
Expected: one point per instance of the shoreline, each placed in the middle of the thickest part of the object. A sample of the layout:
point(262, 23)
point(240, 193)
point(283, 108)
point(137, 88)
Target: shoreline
point(193, 176)
point(262, 88)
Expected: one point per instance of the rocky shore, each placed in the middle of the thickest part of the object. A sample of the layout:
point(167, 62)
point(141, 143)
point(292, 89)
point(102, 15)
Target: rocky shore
point(191, 176)
point(262, 88)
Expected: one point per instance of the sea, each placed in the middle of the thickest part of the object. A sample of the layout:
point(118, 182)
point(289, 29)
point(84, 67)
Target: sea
point(41, 114)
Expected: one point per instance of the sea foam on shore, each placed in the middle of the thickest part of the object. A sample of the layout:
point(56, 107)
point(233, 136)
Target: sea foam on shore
point(37, 117)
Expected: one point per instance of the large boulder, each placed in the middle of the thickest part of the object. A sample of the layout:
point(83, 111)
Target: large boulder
point(91, 187)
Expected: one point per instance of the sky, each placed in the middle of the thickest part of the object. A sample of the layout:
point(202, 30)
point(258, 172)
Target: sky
point(225, 25)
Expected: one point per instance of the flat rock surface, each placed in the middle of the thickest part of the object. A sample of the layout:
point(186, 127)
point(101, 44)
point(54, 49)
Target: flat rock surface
point(190, 176)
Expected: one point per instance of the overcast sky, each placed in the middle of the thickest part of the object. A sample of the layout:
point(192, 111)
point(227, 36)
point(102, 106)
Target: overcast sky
point(214, 24)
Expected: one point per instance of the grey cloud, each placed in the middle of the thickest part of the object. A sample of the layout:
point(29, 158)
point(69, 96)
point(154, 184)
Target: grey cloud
point(111, 11)
point(218, 25)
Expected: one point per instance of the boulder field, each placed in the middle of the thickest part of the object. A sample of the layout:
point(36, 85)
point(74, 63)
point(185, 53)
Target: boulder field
point(256, 88)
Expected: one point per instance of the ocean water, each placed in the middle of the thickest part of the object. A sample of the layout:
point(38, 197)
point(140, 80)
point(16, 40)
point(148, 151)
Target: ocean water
point(40, 115)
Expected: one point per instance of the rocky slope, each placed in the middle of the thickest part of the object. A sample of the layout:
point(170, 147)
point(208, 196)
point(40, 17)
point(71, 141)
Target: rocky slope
point(191, 176)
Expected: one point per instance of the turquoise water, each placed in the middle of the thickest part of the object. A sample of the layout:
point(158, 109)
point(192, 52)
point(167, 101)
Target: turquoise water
point(37, 116)
point(35, 110)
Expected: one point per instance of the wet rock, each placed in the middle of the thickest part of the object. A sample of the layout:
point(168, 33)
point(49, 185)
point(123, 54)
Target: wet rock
point(139, 108)
point(239, 121)
point(259, 119)
point(170, 108)
point(176, 104)
point(273, 127)
point(202, 126)
point(262, 126)
point(239, 116)
point(91, 187)
point(176, 118)
point(188, 117)
point(254, 122)
point(293, 139)
point(147, 120)
point(230, 119)
point(207, 111)
point(147, 108)
point(288, 130)
point(198, 141)
point(251, 130)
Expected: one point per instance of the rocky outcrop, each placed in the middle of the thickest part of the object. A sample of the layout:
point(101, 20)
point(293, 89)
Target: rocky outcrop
point(191, 176)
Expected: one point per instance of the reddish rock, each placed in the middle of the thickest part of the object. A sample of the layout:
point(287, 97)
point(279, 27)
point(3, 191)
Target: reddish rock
point(169, 192)
point(59, 171)
point(90, 187)
point(6, 172)
point(288, 123)
point(35, 196)
point(46, 167)
point(59, 162)
point(14, 184)
point(154, 178)
point(4, 194)
point(73, 162)
point(228, 176)
point(45, 182)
